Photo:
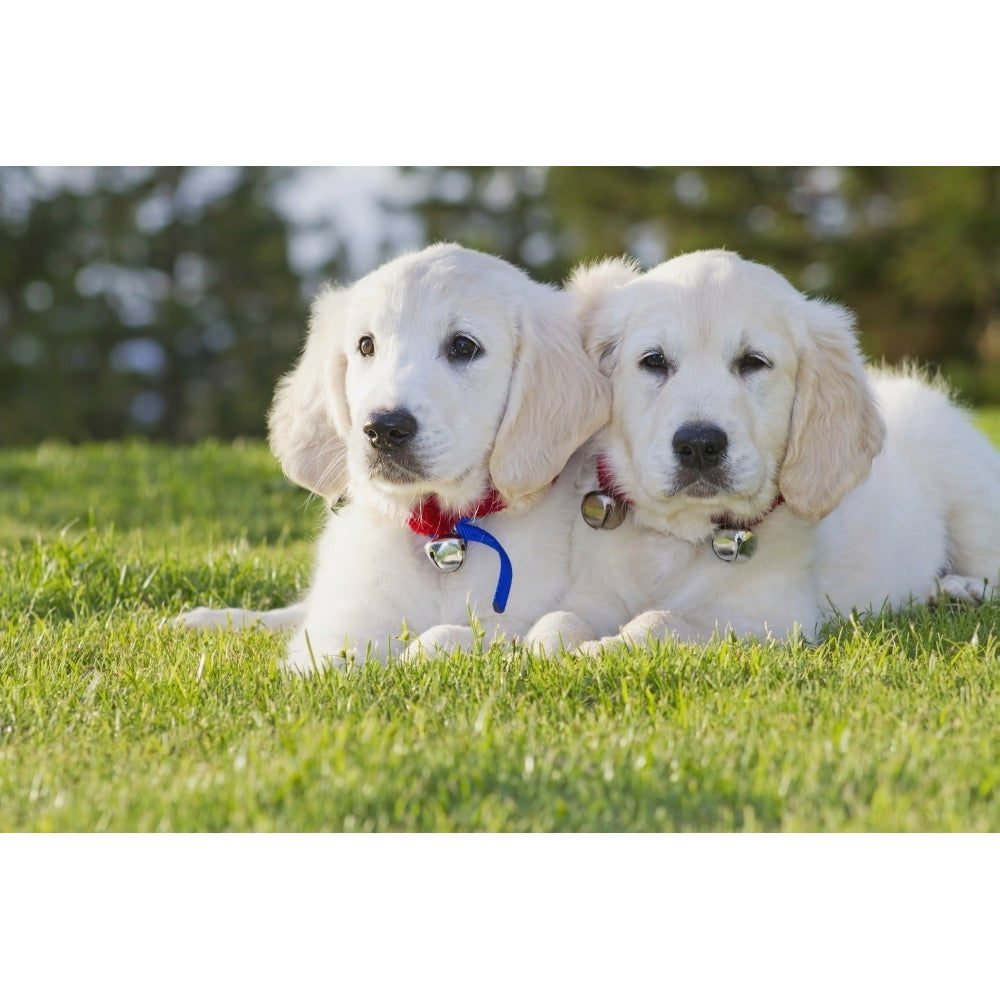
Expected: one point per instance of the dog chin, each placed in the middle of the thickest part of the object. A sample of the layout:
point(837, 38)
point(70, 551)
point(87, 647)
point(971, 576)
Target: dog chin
point(700, 485)
point(393, 474)
point(701, 502)
point(687, 510)
point(397, 493)
point(699, 490)
point(460, 493)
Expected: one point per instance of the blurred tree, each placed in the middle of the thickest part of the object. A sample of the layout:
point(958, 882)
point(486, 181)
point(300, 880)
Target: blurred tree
point(500, 210)
point(768, 213)
point(162, 301)
point(157, 301)
point(550, 218)
point(923, 259)
point(914, 251)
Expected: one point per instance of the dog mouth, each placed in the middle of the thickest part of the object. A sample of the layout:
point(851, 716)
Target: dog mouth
point(700, 483)
point(409, 478)
point(396, 470)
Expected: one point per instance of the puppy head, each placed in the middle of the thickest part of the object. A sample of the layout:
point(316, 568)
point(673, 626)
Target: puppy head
point(437, 373)
point(728, 387)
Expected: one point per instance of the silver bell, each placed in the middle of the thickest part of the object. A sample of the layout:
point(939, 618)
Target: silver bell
point(734, 545)
point(447, 553)
point(600, 510)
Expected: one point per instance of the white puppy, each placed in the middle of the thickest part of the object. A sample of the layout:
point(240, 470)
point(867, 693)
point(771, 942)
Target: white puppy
point(444, 387)
point(743, 418)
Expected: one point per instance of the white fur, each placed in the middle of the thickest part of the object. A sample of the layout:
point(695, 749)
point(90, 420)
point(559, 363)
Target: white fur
point(890, 494)
point(512, 416)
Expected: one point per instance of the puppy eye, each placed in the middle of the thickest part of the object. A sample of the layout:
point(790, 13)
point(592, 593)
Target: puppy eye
point(463, 348)
point(366, 345)
point(750, 363)
point(656, 361)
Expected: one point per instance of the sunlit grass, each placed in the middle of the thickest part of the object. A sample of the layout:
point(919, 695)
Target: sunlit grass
point(112, 719)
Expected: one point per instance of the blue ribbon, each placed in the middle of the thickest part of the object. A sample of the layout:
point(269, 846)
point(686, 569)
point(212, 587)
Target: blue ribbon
point(467, 530)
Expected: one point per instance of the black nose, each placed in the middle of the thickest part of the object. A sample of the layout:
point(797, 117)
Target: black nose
point(391, 429)
point(700, 446)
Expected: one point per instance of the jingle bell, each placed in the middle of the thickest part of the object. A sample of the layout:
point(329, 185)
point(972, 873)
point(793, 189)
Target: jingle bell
point(600, 510)
point(734, 545)
point(447, 553)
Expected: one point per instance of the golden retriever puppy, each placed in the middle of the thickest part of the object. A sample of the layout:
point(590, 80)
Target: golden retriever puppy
point(442, 394)
point(756, 475)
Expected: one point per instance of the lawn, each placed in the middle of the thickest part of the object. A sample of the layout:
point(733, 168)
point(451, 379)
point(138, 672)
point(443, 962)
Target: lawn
point(113, 719)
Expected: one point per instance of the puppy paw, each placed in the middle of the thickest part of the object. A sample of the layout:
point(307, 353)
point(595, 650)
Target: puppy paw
point(440, 639)
point(301, 668)
point(556, 632)
point(961, 589)
point(303, 656)
point(307, 668)
point(236, 618)
point(220, 618)
point(651, 625)
point(594, 647)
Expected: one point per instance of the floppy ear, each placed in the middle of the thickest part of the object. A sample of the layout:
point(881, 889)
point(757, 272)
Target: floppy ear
point(589, 284)
point(557, 399)
point(836, 428)
point(309, 420)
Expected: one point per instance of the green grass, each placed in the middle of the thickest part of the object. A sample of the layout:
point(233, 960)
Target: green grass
point(112, 719)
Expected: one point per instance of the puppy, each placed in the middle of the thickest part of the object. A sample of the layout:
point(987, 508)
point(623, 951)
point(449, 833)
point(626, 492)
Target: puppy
point(442, 394)
point(760, 476)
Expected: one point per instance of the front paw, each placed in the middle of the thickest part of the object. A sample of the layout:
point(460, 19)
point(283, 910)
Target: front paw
point(440, 640)
point(200, 619)
point(556, 632)
point(652, 625)
point(595, 647)
point(305, 657)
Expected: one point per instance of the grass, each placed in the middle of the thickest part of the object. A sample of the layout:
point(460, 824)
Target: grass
point(112, 719)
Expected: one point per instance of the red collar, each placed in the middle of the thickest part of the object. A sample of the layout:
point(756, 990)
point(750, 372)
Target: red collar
point(608, 485)
point(430, 520)
point(607, 482)
point(728, 524)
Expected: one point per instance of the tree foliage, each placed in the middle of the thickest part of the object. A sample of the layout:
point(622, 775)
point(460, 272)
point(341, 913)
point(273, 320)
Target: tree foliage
point(164, 301)
point(914, 251)
point(155, 301)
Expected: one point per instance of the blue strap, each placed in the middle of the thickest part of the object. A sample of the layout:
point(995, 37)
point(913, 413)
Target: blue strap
point(467, 530)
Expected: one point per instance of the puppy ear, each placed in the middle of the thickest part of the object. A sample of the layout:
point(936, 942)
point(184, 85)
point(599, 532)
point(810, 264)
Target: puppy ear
point(836, 428)
point(588, 285)
point(589, 282)
point(308, 421)
point(557, 399)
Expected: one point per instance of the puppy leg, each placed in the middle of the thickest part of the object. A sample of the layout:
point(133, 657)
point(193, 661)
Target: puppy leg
point(973, 547)
point(557, 631)
point(956, 461)
point(237, 618)
point(975, 552)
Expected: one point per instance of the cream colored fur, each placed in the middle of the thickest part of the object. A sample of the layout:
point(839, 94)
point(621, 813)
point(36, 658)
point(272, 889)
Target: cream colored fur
point(890, 493)
point(510, 417)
